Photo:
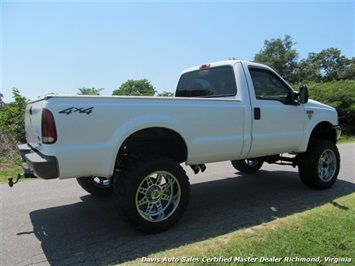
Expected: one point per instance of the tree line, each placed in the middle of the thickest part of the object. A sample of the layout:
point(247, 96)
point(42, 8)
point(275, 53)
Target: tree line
point(330, 77)
point(141, 87)
point(326, 66)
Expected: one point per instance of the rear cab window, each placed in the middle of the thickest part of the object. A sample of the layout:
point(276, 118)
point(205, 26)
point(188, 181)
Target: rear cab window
point(207, 82)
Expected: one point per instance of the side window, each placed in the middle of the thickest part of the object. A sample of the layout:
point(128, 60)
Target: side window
point(207, 82)
point(269, 86)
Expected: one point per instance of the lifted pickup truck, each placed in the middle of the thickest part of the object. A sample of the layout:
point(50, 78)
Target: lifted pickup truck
point(132, 147)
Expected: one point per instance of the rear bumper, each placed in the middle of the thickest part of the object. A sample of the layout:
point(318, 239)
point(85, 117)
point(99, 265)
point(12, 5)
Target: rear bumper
point(34, 162)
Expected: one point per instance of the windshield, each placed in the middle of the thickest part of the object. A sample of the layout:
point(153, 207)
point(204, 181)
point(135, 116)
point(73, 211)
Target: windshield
point(207, 82)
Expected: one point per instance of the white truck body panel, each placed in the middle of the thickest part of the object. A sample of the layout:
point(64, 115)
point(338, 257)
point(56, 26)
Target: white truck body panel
point(213, 129)
point(91, 142)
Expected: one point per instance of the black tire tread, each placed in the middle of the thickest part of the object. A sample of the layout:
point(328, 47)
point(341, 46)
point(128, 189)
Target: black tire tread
point(308, 161)
point(124, 182)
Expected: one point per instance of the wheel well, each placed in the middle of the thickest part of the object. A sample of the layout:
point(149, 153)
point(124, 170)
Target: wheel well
point(324, 130)
point(156, 140)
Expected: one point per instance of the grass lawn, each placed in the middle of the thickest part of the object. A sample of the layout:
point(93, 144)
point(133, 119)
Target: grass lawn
point(10, 170)
point(346, 139)
point(321, 236)
point(7, 171)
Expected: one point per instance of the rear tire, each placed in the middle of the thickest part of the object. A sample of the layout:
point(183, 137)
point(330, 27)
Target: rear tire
point(152, 193)
point(97, 186)
point(248, 166)
point(319, 166)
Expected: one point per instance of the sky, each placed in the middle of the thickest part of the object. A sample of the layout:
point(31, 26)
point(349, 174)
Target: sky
point(61, 46)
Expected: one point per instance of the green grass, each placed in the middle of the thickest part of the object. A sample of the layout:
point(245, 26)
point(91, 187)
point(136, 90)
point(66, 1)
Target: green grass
point(7, 171)
point(346, 139)
point(10, 168)
point(327, 231)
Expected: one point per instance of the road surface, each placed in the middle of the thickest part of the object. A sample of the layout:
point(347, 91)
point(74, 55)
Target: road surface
point(55, 222)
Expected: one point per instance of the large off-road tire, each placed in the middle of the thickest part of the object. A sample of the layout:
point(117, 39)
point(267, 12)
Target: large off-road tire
point(248, 166)
point(97, 186)
point(319, 166)
point(152, 193)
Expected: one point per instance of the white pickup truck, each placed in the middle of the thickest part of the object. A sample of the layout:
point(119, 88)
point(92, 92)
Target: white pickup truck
point(132, 147)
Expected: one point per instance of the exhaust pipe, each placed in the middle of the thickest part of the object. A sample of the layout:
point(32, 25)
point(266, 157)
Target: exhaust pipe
point(197, 167)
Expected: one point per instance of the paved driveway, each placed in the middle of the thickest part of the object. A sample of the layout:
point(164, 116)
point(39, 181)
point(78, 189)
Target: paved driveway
point(57, 223)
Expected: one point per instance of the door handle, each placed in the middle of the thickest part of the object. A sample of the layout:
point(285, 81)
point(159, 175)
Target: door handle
point(257, 113)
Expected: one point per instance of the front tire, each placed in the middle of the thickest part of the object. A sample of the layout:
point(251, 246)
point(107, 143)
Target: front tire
point(319, 166)
point(152, 193)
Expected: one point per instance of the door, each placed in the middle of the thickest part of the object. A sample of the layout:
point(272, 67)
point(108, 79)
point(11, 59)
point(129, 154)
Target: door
point(277, 121)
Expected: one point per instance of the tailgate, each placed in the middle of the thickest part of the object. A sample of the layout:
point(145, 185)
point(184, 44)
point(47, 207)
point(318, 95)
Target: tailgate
point(33, 119)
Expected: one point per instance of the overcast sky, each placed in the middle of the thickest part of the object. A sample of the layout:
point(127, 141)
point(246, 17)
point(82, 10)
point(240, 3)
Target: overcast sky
point(60, 46)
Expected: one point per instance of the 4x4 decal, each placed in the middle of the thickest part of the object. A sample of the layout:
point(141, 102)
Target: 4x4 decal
point(80, 110)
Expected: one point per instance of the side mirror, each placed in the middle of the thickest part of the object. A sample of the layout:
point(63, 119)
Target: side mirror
point(303, 94)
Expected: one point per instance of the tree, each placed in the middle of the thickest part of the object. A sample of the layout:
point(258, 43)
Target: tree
point(340, 95)
point(89, 91)
point(141, 87)
point(166, 94)
point(309, 69)
point(326, 66)
point(279, 55)
point(332, 64)
point(2, 104)
point(12, 118)
point(350, 69)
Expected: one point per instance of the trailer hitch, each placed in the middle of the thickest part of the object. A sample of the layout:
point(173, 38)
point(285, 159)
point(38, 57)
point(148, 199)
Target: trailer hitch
point(19, 176)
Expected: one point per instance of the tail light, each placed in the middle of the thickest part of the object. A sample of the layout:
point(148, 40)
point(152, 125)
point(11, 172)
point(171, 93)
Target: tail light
point(49, 131)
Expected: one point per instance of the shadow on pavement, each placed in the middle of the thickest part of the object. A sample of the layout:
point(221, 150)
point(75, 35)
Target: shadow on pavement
point(91, 233)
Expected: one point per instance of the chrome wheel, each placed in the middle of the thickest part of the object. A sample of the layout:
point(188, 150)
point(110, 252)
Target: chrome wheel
point(158, 196)
point(248, 166)
point(152, 193)
point(95, 185)
point(102, 181)
point(327, 165)
point(252, 163)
